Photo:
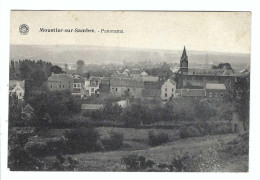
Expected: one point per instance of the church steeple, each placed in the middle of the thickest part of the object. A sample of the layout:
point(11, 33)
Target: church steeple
point(184, 55)
point(184, 64)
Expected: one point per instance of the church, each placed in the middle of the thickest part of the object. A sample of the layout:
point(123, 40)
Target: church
point(188, 78)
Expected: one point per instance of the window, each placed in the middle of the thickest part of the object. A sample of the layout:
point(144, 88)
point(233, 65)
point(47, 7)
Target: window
point(221, 94)
point(51, 86)
point(165, 89)
point(116, 89)
point(128, 90)
point(60, 86)
point(20, 94)
point(165, 94)
point(210, 94)
point(78, 85)
point(92, 89)
point(75, 85)
point(172, 89)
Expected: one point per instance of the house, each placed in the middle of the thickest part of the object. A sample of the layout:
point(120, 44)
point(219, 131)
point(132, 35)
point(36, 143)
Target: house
point(91, 87)
point(104, 86)
point(151, 82)
point(17, 88)
point(215, 90)
point(126, 86)
point(28, 110)
point(168, 90)
point(57, 82)
point(78, 87)
point(135, 73)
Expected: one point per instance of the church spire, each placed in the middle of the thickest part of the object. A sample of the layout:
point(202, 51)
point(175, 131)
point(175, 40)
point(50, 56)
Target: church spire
point(184, 55)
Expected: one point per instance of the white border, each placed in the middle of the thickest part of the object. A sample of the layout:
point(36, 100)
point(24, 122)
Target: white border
point(180, 5)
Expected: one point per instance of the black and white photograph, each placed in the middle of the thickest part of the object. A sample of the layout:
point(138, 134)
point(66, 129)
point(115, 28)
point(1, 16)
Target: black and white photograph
point(129, 91)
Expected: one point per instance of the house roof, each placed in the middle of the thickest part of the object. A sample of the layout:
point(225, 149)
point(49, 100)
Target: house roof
point(13, 83)
point(61, 77)
point(170, 80)
point(135, 71)
point(215, 86)
point(28, 109)
point(78, 81)
point(150, 78)
point(123, 82)
point(192, 92)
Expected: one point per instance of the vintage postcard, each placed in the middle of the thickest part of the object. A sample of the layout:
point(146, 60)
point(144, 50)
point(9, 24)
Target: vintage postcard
point(140, 91)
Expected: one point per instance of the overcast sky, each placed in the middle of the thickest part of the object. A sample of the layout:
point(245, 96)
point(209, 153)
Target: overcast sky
point(202, 31)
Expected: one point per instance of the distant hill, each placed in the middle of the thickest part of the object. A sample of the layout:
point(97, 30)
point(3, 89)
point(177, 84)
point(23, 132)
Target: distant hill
point(61, 54)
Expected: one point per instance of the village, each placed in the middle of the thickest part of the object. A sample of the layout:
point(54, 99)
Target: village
point(184, 102)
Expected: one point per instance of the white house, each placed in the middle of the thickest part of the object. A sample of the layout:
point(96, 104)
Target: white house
point(18, 88)
point(168, 90)
point(91, 87)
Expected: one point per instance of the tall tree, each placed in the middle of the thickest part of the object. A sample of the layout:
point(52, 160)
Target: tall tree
point(56, 69)
point(80, 65)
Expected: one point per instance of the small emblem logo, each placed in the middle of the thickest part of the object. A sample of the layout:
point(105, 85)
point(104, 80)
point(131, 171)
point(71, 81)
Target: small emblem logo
point(23, 29)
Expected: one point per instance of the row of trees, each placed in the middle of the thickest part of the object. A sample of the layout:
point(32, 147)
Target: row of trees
point(35, 73)
point(48, 107)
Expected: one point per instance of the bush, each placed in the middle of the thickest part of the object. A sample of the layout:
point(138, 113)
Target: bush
point(157, 139)
point(190, 131)
point(114, 142)
point(37, 149)
point(238, 146)
point(82, 140)
point(137, 163)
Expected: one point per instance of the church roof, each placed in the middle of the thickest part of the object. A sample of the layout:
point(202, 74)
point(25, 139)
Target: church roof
point(215, 86)
point(211, 72)
point(184, 55)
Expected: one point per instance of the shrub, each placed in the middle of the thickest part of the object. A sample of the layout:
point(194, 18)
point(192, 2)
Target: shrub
point(190, 131)
point(37, 149)
point(137, 163)
point(238, 146)
point(82, 140)
point(114, 142)
point(63, 164)
point(157, 139)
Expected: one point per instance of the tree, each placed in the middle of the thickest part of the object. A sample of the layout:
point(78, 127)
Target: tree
point(80, 65)
point(222, 66)
point(15, 111)
point(241, 99)
point(56, 70)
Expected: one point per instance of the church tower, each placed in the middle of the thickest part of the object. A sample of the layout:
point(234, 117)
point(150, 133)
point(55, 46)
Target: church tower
point(184, 62)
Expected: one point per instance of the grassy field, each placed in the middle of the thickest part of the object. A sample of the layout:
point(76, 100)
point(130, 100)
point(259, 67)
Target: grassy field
point(205, 149)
